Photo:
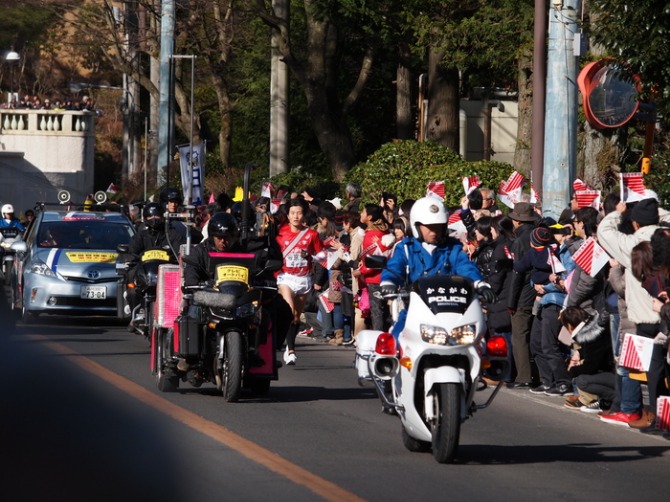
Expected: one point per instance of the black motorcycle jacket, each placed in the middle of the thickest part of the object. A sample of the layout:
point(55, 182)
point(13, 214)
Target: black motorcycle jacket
point(147, 239)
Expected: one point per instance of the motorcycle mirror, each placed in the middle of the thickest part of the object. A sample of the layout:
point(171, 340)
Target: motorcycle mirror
point(19, 247)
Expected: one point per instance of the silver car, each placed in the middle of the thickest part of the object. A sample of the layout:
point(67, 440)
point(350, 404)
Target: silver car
point(68, 263)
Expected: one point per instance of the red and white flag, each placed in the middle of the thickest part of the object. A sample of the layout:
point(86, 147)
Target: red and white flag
point(455, 223)
point(470, 183)
point(435, 189)
point(588, 198)
point(327, 304)
point(274, 205)
point(632, 186)
point(636, 352)
point(112, 188)
point(591, 257)
point(578, 185)
point(534, 196)
point(267, 190)
point(509, 192)
point(663, 413)
point(212, 199)
point(555, 263)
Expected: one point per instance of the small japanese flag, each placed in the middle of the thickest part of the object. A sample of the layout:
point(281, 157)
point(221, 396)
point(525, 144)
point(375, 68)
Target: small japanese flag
point(591, 257)
point(435, 189)
point(470, 183)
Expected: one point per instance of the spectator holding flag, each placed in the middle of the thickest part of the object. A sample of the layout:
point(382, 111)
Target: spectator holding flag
point(645, 218)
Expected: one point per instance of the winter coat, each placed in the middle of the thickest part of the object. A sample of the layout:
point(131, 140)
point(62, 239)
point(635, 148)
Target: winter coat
point(619, 246)
point(521, 292)
point(591, 338)
point(412, 260)
point(500, 278)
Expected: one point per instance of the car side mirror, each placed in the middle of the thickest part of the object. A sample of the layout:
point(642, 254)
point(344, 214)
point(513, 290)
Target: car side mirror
point(19, 247)
point(123, 248)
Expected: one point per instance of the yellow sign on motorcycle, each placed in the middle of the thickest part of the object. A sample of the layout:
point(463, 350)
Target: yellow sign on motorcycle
point(155, 254)
point(232, 273)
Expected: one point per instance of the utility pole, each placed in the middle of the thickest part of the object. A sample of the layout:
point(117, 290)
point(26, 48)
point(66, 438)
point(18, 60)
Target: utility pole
point(560, 126)
point(279, 106)
point(539, 79)
point(165, 89)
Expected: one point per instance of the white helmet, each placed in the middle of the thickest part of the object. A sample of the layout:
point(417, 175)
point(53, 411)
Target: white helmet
point(428, 211)
point(7, 208)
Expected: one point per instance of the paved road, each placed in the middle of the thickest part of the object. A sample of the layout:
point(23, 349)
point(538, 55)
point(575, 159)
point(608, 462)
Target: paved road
point(82, 420)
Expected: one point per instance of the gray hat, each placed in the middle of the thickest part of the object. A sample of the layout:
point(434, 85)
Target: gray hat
point(523, 211)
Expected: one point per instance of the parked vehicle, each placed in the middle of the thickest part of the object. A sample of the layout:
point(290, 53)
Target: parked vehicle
point(430, 375)
point(66, 265)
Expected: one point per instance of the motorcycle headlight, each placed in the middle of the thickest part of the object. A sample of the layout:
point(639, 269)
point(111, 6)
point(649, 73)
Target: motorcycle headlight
point(462, 335)
point(40, 268)
point(246, 310)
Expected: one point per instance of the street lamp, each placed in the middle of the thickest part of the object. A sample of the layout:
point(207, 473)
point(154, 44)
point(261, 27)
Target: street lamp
point(10, 58)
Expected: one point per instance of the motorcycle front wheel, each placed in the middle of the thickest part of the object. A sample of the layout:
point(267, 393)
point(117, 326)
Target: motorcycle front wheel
point(164, 382)
point(447, 428)
point(231, 373)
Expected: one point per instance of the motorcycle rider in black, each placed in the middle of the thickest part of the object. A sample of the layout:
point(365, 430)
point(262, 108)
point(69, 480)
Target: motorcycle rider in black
point(223, 237)
point(153, 235)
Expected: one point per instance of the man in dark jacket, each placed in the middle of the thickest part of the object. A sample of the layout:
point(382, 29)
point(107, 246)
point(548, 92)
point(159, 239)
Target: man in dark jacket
point(521, 295)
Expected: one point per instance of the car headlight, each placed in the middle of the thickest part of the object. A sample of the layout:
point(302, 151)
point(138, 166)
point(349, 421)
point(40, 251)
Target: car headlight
point(437, 335)
point(246, 310)
point(40, 268)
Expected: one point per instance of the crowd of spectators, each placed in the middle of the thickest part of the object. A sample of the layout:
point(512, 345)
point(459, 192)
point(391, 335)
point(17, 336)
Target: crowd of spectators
point(28, 102)
point(564, 324)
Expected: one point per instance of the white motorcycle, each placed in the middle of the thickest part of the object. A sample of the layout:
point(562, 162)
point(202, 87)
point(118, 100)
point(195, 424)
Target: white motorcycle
point(430, 375)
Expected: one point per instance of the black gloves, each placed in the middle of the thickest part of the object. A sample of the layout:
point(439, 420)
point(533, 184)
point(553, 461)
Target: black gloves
point(389, 289)
point(486, 293)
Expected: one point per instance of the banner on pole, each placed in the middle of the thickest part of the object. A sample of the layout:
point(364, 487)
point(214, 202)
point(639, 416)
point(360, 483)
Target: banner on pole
point(192, 172)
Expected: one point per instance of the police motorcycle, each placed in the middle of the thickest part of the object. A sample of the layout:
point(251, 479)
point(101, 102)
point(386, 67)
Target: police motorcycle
point(223, 333)
point(430, 375)
point(139, 275)
point(8, 236)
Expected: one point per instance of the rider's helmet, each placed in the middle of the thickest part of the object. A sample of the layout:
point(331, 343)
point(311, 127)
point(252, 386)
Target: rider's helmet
point(427, 211)
point(8, 211)
point(171, 195)
point(223, 225)
point(153, 215)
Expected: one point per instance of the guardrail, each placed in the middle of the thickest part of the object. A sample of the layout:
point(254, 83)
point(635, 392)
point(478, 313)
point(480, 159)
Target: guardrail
point(52, 122)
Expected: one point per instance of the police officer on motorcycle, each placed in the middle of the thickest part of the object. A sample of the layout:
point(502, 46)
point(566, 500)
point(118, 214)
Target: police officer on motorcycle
point(154, 235)
point(8, 220)
point(430, 250)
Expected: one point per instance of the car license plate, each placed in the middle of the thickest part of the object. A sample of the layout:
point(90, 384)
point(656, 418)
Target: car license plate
point(94, 292)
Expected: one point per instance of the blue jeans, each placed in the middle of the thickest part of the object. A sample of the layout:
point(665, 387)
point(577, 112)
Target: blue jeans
point(340, 321)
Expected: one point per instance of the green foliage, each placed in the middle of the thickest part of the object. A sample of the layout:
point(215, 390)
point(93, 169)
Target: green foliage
point(406, 167)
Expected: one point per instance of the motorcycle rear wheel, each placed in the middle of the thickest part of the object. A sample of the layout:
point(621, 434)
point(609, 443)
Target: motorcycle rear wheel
point(231, 373)
point(447, 429)
point(164, 382)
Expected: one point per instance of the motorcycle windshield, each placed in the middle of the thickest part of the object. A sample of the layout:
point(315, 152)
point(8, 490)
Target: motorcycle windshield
point(445, 293)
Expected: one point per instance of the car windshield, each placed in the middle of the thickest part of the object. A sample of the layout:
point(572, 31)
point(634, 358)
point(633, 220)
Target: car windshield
point(83, 234)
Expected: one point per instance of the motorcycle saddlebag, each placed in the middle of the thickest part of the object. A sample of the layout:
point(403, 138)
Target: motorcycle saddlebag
point(187, 336)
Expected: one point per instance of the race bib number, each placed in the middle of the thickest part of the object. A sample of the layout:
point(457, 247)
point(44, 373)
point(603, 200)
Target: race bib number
point(296, 260)
point(232, 273)
point(155, 254)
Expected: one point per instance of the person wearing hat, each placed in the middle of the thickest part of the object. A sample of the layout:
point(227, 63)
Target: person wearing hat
point(545, 274)
point(645, 216)
point(521, 295)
